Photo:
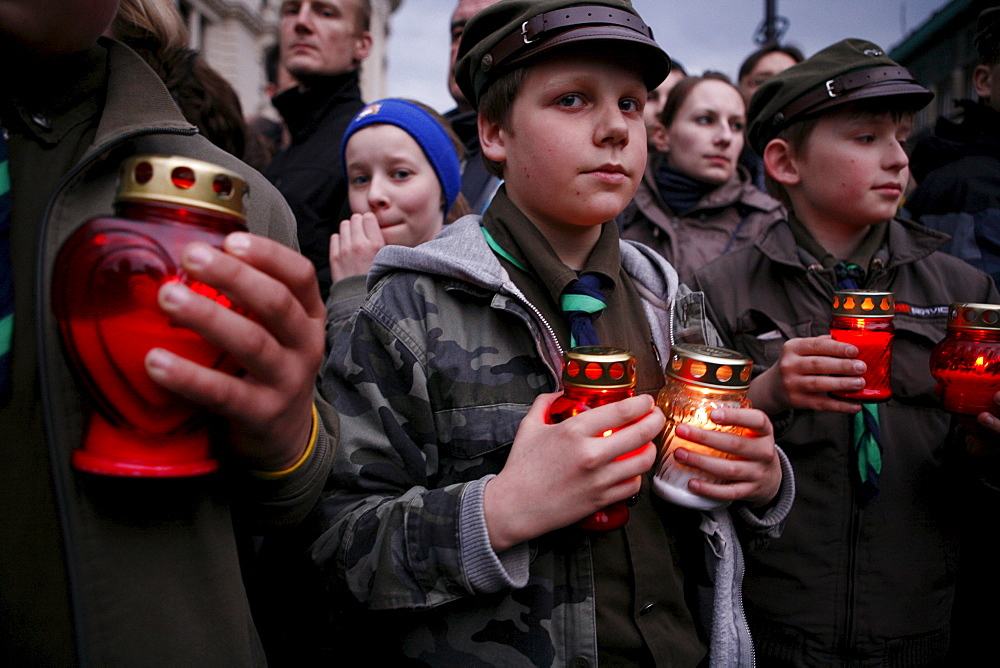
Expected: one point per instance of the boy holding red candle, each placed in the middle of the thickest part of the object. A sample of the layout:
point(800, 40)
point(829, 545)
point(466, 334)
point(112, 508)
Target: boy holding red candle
point(865, 569)
point(451, 510)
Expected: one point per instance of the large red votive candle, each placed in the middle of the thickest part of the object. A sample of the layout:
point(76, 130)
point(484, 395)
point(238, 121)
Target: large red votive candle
point(105, 285)
point(967, 361)
point(864, 319)
point(594, 376)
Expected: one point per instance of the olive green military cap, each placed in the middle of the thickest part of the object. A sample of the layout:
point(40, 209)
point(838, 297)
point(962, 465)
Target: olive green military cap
point(511, 33)
point(848, 71)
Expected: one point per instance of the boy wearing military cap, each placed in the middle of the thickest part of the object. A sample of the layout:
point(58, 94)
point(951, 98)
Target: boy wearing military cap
point(864, 571)
point(453, 499)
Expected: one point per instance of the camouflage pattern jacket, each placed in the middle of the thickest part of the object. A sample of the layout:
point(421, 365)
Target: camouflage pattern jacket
point(432, 378)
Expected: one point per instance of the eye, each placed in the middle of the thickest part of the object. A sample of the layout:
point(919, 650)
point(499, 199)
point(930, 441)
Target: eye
point(289, 9)
point(570, 100)
point(866, 139)
point(401, 174)
point(738, 126)
point(704, 119)
point(359, 180)
point(629, 105)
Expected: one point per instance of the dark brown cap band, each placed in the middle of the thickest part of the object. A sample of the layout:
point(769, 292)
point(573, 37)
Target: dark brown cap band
point(548, 24)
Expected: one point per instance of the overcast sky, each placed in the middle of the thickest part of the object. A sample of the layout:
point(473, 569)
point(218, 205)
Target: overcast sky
point(701, 34)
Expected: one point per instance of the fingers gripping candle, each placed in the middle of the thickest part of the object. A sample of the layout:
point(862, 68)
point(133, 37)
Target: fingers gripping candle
point(700, 379)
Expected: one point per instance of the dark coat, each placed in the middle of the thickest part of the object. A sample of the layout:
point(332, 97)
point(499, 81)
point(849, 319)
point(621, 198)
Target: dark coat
point(958, 175)
point(729, 217)
point(309, 172)
point(878, 578)
point(151, 567)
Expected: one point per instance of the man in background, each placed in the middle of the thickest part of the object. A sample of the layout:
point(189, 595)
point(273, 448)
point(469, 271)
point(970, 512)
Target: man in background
point(323, 43)
point(478, 185)
point(957, 169)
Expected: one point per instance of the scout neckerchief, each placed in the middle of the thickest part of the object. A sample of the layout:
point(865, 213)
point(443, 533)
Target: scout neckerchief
point(582, 301)
point(866, 432)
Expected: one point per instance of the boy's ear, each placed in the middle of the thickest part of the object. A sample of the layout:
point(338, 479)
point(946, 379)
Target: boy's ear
point(660, 139)
point(780, 163)
point(491, 140)
point(983, 83)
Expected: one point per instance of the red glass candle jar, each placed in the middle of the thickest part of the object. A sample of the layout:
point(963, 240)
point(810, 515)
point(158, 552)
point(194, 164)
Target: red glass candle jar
point(864, 319)
point(700, 379)
point(967, 361)
point(105, 284)
point(594, 376)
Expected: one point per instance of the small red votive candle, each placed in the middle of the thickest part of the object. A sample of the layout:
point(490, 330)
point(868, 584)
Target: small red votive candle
point(967, 361)
point(864, 319)
point(594, 376)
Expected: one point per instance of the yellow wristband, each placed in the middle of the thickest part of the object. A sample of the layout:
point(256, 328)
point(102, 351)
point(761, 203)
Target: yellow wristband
point(274, 475)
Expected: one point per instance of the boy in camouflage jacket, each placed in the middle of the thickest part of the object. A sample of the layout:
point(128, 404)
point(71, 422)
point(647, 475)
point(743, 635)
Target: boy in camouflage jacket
point(451, 499)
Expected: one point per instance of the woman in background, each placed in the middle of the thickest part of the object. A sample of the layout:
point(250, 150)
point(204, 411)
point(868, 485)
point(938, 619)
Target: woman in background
point(695, 203)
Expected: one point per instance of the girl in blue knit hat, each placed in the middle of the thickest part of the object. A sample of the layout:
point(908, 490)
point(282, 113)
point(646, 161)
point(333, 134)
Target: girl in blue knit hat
point(402, 168)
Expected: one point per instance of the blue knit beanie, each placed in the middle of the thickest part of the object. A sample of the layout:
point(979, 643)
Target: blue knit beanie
point(425, 130)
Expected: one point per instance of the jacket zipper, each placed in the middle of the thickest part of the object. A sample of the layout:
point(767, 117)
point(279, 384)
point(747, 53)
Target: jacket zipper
point(60, 474)
point(538, 314)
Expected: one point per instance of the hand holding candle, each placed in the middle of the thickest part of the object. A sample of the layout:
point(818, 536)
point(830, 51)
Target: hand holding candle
point(705, 404)
point(749, 469)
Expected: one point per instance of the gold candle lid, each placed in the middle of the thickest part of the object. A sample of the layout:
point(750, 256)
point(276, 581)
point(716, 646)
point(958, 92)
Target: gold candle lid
point(709, 366)
point(601, 367)
point(183, 181)
point(968, 315)
point(864, 304)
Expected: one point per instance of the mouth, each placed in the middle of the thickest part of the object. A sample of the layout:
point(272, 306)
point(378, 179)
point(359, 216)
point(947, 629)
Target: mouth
point(610, 172)
point(718, 159)
point(889, 189)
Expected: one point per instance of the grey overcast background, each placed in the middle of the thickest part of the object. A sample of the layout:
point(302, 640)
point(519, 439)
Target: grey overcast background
point(700, 34)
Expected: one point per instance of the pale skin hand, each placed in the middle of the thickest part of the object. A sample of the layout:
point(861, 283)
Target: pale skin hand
point(557, 474)
point(755, 477)
point(353, 249)
point(269, 408)
point(807, 369)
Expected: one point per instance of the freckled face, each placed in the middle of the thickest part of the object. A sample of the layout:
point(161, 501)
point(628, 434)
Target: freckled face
point(852, 169)
point(389, 175)
point(706, 136)
point(576, 149)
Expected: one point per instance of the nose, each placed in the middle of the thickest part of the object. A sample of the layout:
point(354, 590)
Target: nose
point(378, 195)
point(303, 19)
point(613, 126)
point(896, 158)
point(724, 134)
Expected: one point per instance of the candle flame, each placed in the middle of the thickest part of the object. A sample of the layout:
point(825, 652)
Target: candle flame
point(980, 361)
point(608, 432)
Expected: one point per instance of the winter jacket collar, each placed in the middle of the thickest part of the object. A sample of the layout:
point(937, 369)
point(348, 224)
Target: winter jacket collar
point(738, 191)
point(305, 110)
point(460, 252)
point(909, 242)
point(130, 79)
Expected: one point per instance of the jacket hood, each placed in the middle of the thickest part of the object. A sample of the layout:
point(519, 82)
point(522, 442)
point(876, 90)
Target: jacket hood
point(460, 252)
